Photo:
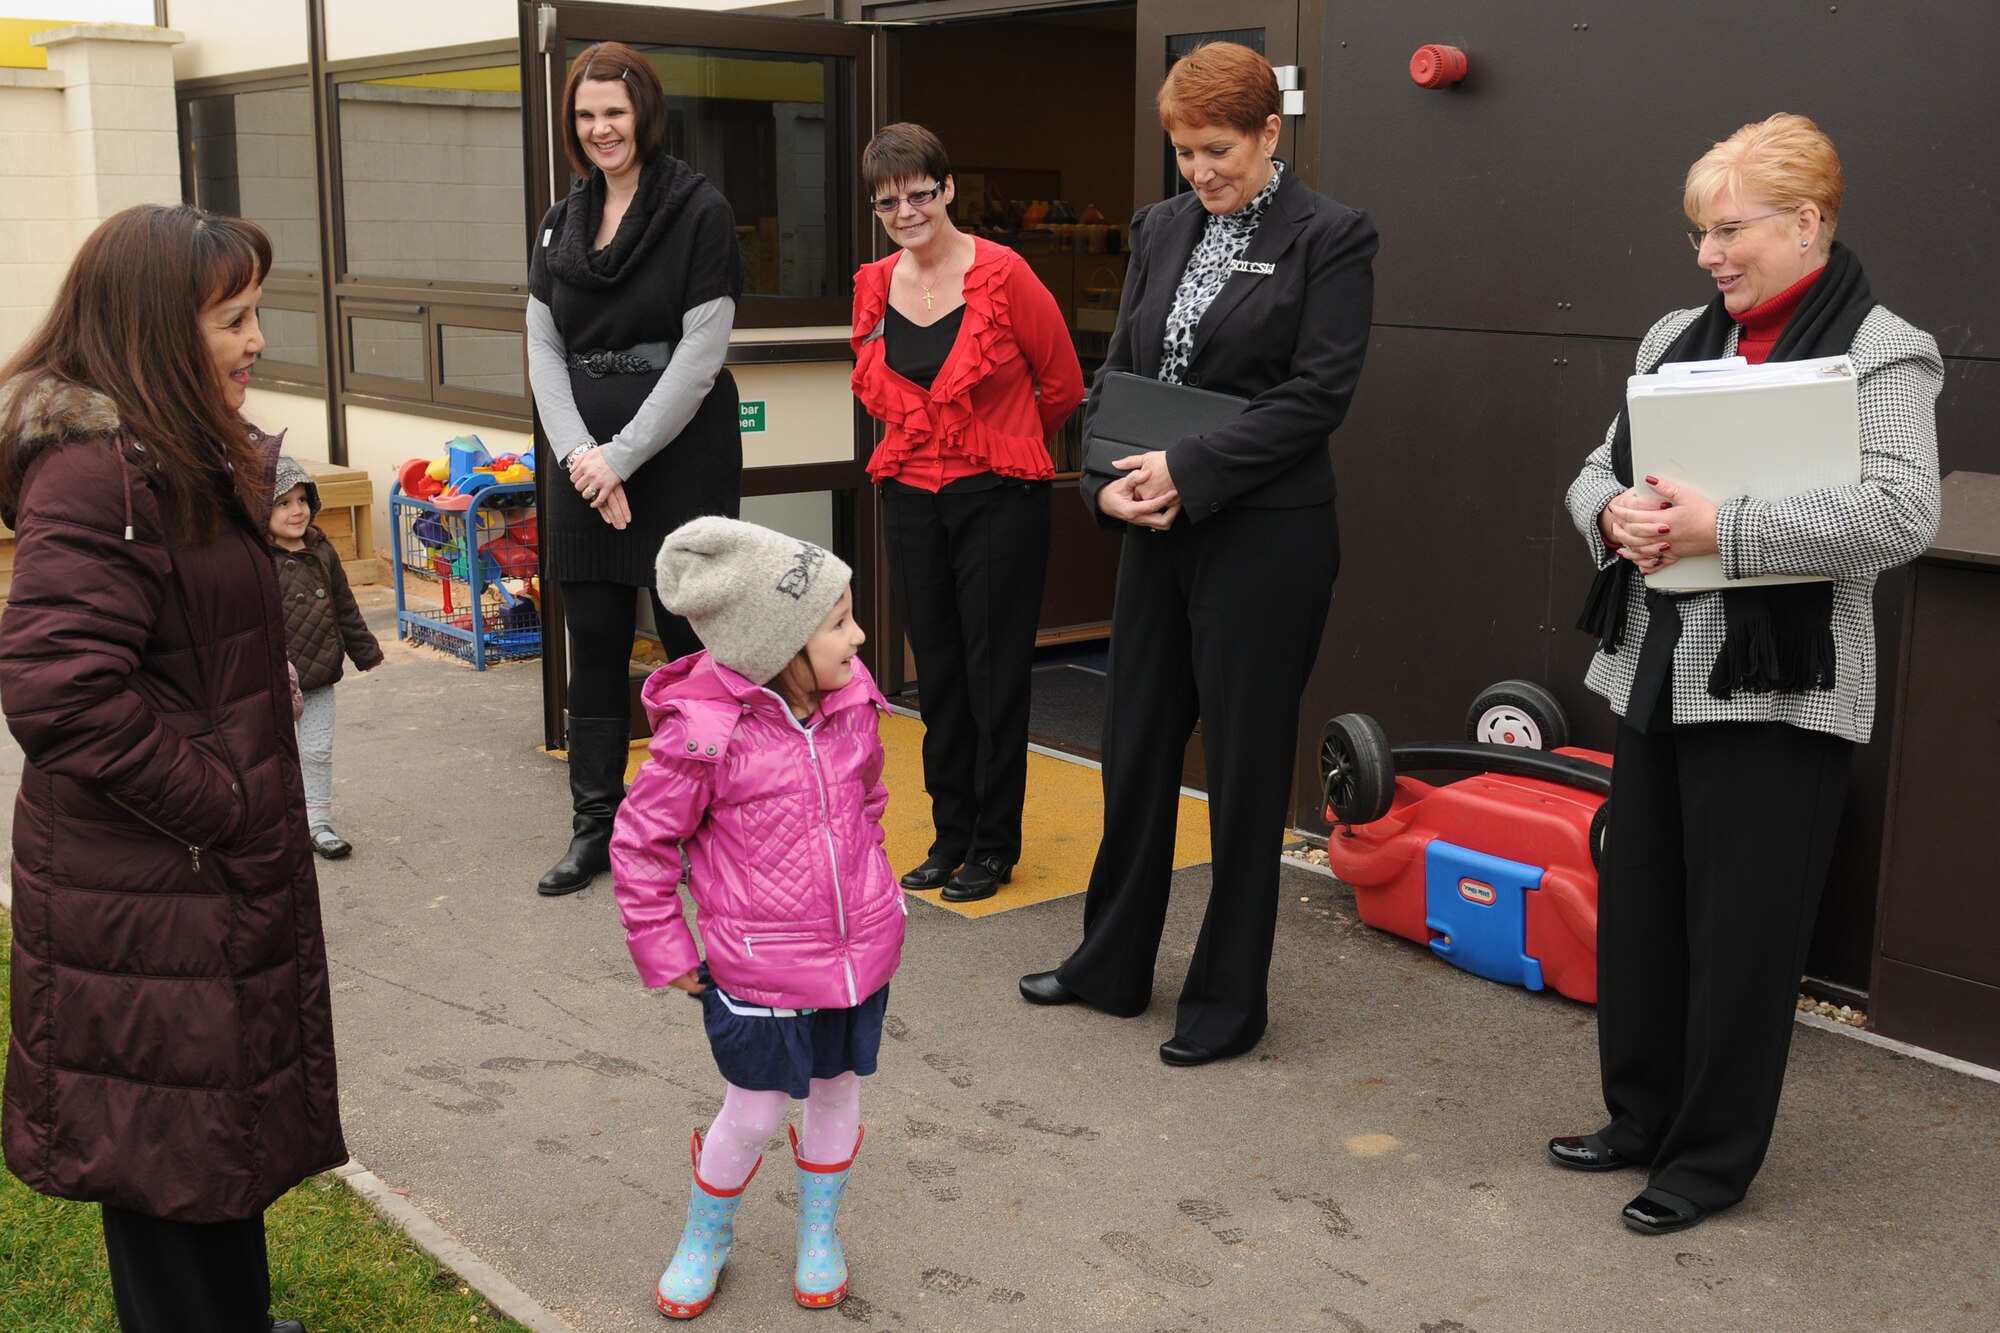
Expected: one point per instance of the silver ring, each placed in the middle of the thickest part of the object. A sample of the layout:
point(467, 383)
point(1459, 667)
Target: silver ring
point(590, 494)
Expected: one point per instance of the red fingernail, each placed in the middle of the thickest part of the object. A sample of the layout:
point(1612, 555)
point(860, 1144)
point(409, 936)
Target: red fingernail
point(1652, 481)
point(1664, 529)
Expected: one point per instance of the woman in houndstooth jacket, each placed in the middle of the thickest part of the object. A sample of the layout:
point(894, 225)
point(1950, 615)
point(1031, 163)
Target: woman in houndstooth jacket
point(1740, 709)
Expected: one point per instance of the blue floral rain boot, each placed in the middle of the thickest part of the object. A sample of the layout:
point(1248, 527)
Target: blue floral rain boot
point(689, 1283)
point(820, 1278)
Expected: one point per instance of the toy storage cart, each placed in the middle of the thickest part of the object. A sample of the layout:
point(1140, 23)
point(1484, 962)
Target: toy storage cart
point(477, 564)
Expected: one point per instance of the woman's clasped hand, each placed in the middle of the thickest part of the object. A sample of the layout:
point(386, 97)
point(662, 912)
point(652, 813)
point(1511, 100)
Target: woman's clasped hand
point(1144, 496)
point(1657, 523)
point(601, 487)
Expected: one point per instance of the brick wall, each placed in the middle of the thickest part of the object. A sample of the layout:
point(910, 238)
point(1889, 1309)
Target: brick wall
point(88, 136)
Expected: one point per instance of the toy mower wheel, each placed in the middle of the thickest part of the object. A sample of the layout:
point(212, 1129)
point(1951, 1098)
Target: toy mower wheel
point(1357, 774)
point(1600, 830)
point(1518, 712)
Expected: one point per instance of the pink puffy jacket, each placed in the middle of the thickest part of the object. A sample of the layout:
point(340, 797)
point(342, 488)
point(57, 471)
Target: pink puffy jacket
point(783, 829)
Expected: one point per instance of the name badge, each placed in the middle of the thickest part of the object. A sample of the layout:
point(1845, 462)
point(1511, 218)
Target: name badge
point(1252, 266)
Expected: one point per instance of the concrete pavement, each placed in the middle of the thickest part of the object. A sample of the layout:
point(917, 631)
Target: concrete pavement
point(1375, 1165)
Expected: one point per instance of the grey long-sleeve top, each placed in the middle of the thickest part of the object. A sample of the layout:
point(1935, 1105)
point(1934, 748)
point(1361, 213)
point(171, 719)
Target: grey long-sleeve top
point(690, 373)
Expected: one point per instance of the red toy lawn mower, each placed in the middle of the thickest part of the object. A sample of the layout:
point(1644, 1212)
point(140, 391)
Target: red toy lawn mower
point(1496, 871)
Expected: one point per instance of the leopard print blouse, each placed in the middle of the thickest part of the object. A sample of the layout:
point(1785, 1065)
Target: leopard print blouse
point(1223, 240)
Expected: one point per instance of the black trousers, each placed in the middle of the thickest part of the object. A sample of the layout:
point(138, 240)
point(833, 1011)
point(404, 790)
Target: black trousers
point(601, 619)
point(187, 1277)
point(1219, 621)
point(968, 568)
point(1720, 839)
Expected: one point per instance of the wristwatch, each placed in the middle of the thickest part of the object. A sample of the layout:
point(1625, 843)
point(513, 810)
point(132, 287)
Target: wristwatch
point(568, 460)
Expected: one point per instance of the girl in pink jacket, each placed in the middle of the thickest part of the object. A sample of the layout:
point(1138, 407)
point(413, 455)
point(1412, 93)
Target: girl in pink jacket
point(766, 771)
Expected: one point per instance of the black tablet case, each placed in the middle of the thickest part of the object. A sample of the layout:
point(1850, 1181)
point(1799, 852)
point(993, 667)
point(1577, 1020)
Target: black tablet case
point(1137, 414)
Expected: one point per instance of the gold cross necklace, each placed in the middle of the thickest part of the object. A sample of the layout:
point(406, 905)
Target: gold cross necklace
point(938, 277)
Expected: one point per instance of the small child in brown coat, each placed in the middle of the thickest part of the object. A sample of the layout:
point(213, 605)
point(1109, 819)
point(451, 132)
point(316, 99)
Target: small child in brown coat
point(322, 624)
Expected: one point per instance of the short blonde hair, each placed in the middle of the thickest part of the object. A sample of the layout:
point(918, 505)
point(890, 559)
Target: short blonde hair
point(1786, 161)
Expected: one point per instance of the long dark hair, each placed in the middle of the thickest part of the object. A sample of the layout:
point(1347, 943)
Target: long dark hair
point(126, 323)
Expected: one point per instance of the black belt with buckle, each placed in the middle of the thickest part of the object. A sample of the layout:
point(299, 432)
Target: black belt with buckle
point(637, 360)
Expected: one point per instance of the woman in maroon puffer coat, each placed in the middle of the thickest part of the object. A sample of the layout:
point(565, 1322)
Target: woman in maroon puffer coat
point(172, 1052)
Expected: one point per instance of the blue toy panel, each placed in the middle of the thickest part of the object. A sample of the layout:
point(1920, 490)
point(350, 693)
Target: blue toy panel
point(1478, 905)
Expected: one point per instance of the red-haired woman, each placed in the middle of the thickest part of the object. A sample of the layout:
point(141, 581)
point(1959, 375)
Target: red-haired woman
point(965, 359)
point(632, 285)
point(172, 1056)
point(1254, 285)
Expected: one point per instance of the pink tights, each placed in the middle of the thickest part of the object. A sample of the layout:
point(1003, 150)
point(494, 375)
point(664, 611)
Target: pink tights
point(749, 1118)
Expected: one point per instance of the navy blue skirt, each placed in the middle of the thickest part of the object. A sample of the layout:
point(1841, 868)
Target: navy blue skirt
point(767, 1053)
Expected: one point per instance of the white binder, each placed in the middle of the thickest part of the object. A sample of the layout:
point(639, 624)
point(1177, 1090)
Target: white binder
point(1727, 429)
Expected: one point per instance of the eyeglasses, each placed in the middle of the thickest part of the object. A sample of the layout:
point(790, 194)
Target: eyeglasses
point(915, 199)
point(1725, 233)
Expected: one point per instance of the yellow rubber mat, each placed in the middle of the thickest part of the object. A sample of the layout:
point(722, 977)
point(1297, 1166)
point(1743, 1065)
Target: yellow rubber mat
point(1065, 815)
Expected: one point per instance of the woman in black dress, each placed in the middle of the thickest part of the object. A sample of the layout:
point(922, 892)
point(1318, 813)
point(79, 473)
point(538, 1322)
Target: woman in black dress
point(632, 284)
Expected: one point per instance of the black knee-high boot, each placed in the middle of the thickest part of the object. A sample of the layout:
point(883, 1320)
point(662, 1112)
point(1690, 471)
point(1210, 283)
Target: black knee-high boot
point(597, 755)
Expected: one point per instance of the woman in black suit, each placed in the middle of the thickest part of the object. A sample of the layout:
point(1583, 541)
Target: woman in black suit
point(1249, 284)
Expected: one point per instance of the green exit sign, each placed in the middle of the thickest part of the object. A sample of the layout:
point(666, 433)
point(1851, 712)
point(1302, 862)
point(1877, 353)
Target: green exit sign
point(750, 417)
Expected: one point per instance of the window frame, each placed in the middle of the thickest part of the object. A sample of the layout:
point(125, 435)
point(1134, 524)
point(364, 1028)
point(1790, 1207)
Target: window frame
point(429, 302)
point(283, 290)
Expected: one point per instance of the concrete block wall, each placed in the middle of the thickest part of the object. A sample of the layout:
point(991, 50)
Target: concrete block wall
point(88, 136)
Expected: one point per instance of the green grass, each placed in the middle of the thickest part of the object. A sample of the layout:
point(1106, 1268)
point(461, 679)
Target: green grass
point(334, 1263)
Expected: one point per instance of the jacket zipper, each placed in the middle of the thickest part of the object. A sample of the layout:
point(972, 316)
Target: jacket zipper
point(194, 849)
point(750, 941)
point(832, 856)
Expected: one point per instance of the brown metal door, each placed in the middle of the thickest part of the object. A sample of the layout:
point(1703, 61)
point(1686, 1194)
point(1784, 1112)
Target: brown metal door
point(1168, 30)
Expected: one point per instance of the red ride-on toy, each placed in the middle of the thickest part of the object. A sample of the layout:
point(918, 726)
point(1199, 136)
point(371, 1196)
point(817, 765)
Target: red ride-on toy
point(1497, 871)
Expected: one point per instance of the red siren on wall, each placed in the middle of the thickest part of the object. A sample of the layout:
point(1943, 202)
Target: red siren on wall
point(1436, 66)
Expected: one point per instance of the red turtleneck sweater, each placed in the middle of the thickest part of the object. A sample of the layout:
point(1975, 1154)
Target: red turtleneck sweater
point(1763, 324)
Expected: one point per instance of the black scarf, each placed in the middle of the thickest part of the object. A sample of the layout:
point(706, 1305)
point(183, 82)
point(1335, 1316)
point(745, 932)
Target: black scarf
point(1777, 637)
point(665, 185)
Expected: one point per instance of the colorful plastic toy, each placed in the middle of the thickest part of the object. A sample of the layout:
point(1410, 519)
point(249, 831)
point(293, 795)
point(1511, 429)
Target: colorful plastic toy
point(416, 479)
point(1495, 872)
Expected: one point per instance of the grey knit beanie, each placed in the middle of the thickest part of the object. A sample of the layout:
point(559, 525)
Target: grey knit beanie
point(753, 595)
point(290, 474)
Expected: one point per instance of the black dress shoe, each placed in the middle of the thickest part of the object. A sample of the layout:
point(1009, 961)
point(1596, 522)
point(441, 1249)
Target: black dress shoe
point(934, 873)
point(978, 878)
point(1043, 988)
point(1653, 1214)
point(1586, 1152)
point(1180, 1051)
point(287, 1326)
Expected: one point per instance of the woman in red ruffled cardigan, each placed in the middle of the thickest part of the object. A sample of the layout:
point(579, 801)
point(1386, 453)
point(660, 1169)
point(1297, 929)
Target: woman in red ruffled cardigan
point(963, 356)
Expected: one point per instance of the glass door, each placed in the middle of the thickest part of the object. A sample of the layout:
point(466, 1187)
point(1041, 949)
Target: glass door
point(774, 112)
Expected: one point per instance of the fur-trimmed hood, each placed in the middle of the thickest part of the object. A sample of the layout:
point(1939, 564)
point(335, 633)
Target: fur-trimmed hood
point(54, 409)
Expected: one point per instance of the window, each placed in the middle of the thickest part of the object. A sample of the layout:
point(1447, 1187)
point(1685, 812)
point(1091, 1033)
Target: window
point(430, 176)
point(431, 232)
point(250, 154)
point(763, 128)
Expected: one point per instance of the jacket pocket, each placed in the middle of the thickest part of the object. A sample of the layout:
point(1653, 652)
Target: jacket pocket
point(777, 945)
point(191, 845)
